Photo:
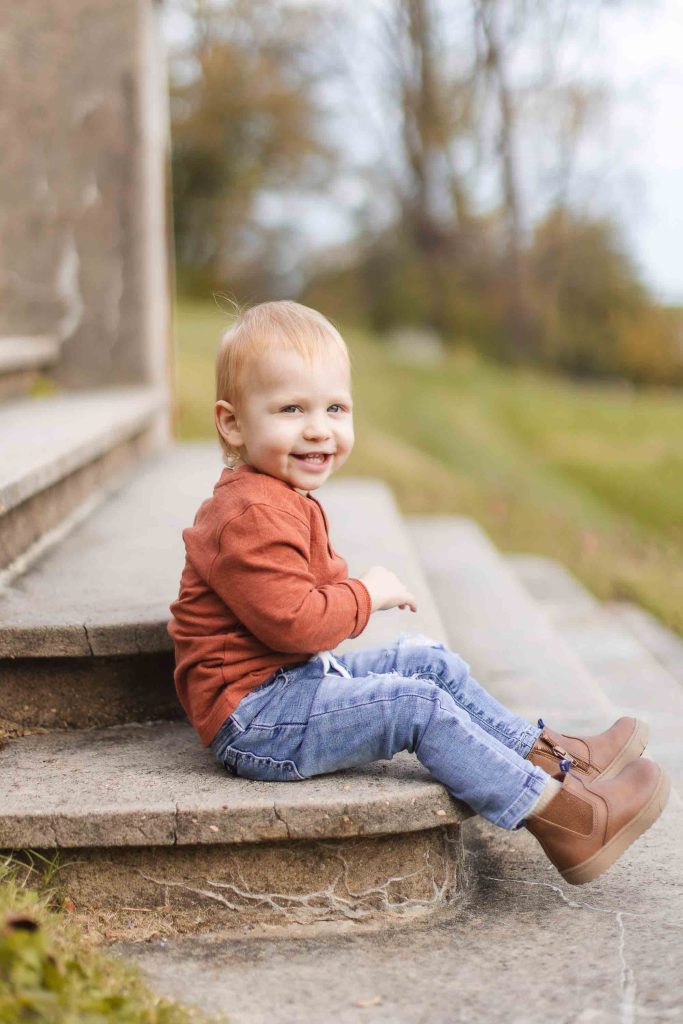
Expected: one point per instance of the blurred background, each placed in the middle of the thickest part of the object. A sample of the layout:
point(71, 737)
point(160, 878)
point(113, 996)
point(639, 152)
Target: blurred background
point(485, 196)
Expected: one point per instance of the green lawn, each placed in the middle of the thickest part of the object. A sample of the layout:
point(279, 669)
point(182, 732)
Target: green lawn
point(589, 474)
point(51, 974)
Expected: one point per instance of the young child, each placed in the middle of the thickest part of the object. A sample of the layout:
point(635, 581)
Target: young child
point(264, 599)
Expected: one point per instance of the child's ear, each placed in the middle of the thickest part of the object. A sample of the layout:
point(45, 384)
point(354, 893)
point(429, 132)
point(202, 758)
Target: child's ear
point(227, 424)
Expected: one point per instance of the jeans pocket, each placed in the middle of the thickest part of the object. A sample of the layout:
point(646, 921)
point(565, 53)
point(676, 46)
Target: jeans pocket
point(262, 769)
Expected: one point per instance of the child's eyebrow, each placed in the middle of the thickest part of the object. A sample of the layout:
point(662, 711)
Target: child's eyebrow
point(340, 397)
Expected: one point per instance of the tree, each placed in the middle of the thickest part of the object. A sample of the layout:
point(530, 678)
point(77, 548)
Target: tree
point(244, 121)
point(597, 318)
point(455, 100)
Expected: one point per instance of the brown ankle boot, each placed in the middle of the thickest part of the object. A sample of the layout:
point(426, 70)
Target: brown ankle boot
point(592, 757)
point(588, 825)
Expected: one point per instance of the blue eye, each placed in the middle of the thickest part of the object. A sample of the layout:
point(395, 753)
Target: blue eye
point(335, 408)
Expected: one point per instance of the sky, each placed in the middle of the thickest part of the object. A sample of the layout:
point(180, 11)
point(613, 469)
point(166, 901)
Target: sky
point(637, 155)
point(643, 58)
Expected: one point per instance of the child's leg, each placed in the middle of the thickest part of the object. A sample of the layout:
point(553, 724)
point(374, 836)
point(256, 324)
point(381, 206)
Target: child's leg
point(600, 756)
point(311, 723)
point(310, 720)
point(420, 656)
point(371, 718)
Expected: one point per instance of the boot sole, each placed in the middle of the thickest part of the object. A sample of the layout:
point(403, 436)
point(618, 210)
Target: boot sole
point(631, 751)
point(605, 857)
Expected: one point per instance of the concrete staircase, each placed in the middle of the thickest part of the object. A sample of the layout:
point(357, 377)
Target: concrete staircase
point(102, 767)
point(61, 455)
point(158, 842)
point(515, 943)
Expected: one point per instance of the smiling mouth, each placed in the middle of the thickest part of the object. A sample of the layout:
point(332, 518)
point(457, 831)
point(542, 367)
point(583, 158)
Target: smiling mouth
point(315, 458)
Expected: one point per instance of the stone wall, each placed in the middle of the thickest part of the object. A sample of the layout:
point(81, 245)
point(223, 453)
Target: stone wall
point(84, 249)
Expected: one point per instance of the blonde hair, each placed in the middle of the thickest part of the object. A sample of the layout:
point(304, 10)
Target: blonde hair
point(282, 326)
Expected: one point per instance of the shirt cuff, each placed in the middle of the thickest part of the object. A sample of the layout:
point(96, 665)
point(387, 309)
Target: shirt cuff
point(364, 601)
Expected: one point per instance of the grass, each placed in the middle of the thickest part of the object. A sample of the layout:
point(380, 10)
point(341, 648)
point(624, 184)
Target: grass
point(49, 974)
point(589, 474)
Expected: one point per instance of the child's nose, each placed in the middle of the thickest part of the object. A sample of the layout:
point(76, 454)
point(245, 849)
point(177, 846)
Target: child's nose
point(316, 427)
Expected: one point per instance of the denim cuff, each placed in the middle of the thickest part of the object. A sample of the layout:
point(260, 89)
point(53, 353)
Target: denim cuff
point(515, 815)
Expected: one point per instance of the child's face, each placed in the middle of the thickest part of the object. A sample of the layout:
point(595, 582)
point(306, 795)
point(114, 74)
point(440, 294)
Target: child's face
point(289, 411)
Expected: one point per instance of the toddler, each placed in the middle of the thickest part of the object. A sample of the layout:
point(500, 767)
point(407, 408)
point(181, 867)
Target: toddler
point(264, 600)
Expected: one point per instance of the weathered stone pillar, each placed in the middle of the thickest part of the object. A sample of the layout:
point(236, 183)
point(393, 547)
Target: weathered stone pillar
point(84, 238)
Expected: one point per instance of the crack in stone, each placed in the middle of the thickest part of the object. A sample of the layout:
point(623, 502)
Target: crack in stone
point(439, 892)
point(67, 288)
point(52, 825)
point(583, 906)
point(627, 980)
point(166, 883)
point(380, 890)
point(269, 899)
point(629, 1009)
point(544, 885)
point(87, 640)
point(284, 821)
point(326, 902)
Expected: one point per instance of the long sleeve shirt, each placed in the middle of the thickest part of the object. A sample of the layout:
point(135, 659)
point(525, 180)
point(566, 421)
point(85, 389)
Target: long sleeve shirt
point(261, 588)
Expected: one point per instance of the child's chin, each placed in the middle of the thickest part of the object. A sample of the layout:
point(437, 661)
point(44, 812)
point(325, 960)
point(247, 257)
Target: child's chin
point(310, 483)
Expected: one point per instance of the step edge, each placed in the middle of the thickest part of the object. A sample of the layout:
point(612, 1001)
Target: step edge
point(126, 423)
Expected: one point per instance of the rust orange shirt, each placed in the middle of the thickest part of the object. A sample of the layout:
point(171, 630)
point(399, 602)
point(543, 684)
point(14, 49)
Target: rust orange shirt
point(261, 588)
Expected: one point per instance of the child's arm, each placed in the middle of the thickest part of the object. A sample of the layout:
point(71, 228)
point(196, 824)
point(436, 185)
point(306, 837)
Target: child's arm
point(262, 572)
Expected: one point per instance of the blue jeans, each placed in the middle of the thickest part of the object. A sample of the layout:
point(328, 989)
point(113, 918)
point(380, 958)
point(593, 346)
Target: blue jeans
point(340, 712)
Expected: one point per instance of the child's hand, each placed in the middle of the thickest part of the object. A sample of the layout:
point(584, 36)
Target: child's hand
point(386, 590)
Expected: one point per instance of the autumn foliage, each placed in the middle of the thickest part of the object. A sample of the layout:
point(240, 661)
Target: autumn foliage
point(257, 97)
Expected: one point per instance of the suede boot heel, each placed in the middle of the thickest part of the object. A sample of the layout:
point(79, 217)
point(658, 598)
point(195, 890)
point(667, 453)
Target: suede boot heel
point(589, 824)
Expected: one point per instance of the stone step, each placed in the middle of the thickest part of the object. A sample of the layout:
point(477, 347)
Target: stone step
point(610, 951)
point(142, 808)
point(647, 882)
point(665, 645)
point(152, 830)
point(479, 591)
point(81, 628)
point(61, 451)
point(631, 676)
point(512, 645)
point(617, 931)
point(21, 359)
